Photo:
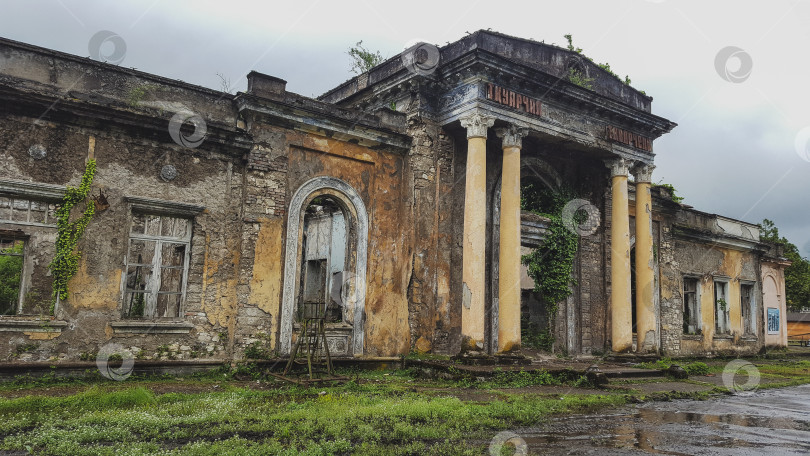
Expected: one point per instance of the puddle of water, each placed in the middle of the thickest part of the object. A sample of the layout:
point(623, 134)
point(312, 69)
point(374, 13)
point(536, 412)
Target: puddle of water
point(773, 422)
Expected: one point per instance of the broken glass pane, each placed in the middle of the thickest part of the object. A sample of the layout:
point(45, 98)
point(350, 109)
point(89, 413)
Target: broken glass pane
point(138, 223)
point(173, 254)
point(138, 278)
point(19, 211)
point(39, 212)
point(168, 305)
point(181, 228)
point(171, 279)
point(5, 208)
point(141, 251)
point(134, 304)
point(152, 225)
point(11, 266)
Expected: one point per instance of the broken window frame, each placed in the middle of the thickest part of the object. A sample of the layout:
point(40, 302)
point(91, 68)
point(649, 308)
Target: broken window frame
point(329, 286)
point(152, 288)
point(12, 206)
point(749, 323)
point(694, 318)
point(13, 239)
point(722, 317)
point(35, 205)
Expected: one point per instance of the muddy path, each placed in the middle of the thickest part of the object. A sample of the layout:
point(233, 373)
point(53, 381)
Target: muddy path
point(773, 422)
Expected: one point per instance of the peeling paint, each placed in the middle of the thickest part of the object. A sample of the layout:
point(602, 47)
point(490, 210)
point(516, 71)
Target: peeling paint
point(39, 335)
point(265, 284)
point(94, 292)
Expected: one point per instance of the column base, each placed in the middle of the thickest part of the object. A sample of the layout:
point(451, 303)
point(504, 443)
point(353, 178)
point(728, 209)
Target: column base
point(471, 345)
point(509, 349)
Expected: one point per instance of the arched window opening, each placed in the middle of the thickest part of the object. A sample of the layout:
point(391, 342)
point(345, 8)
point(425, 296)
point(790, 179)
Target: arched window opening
point(324, 262)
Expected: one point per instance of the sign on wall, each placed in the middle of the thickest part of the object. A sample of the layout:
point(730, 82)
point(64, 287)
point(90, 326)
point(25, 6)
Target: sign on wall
point(773, 320)
point(513, 99)
point(629, 138)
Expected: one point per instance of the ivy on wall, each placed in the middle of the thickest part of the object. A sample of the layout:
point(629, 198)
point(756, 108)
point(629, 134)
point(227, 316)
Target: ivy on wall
point(66, 260)
point(551, 264)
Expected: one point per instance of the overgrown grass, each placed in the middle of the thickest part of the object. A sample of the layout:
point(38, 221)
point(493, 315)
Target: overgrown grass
point(295, 420)
point(378, 412)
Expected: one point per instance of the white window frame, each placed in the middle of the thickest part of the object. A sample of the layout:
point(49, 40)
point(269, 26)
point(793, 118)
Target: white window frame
point(160, 208)
point(29, 192)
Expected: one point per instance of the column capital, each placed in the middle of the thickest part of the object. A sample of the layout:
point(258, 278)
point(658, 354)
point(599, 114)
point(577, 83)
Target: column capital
point(512, 135)
point(477, 124)
point(643, 173)
point(618, 166)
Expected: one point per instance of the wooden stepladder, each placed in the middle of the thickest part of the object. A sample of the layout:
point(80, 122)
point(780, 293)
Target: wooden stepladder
point(311, 348)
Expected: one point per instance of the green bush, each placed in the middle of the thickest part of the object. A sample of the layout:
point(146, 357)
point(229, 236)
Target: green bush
point(696, 368)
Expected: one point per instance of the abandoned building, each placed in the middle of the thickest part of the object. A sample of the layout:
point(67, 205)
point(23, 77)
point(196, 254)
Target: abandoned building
point(394, 198)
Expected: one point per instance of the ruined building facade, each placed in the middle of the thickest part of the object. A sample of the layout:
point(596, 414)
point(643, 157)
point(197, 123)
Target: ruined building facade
point(394, 198)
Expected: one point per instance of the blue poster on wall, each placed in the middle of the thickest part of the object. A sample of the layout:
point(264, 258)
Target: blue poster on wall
point(773, 320)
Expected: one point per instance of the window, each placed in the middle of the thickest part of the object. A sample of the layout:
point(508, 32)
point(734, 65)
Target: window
point(325, 245)
point(11, 268)
point(747, 307)
point(156, 266)
point(691, 306)
point(773, 320)
point(722, 324)
point(27, 211)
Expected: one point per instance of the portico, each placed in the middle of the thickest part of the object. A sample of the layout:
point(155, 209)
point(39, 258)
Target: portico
point(508, 121)
point(501, 304)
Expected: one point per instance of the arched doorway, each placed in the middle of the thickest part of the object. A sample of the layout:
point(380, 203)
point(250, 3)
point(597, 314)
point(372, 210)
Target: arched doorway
point(540, 176)
point(325, 263)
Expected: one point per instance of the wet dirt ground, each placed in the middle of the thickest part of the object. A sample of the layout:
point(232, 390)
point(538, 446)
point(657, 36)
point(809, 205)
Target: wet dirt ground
point(773, 422)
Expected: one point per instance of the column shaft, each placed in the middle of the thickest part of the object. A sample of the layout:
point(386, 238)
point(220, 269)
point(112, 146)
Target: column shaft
point(474, 247)
point(645, 271)
point(620, 300)
point(509, 251)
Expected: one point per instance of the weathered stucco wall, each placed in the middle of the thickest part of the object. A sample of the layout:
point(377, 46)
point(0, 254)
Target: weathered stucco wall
point(707, 263)
point(406, 168)
point(378, 178)
point(128, 165)
point(773, 296)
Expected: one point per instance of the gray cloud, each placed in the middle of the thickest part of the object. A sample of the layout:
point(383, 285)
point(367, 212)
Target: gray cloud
point(733, 152)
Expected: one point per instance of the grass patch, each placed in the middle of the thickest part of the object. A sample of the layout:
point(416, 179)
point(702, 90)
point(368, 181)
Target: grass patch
point(365, 419)
point(696, 368)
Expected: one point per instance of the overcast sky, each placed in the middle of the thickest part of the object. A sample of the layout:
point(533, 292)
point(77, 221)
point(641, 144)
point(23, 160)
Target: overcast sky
point(740, 148)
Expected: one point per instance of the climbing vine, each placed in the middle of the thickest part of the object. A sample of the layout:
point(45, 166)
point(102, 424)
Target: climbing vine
point(66, 260)
point(551, 264)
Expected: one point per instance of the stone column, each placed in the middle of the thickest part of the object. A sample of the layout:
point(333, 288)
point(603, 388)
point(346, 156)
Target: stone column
point(620, 309)
point(509, 259)
point(645, 267)
point(475, 227)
